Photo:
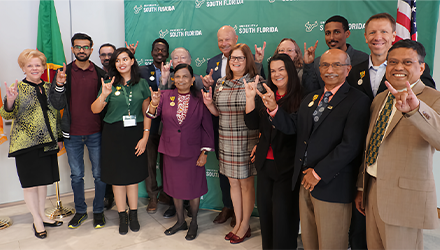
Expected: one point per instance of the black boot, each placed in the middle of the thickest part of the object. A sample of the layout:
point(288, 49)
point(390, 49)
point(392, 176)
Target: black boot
point(123, 223)
point(134, 223)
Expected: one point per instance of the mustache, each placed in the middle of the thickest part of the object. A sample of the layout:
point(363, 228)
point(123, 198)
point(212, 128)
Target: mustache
point(334, 75)
point(333, 41)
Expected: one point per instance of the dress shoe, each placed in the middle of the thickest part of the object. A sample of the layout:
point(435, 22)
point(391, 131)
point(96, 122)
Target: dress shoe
point(192, 232)
point(123, 223)
point(56, 223)
point(224, 215)
point(108, 203)
point(236, 239)
point(233, 221)
point(40, 235)
point(172, 230)
point(229, 236)
point(171, 211)
point(133, 218)
point(152, 206)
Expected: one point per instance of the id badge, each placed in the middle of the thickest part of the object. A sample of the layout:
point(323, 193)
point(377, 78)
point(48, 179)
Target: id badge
point(129, 120)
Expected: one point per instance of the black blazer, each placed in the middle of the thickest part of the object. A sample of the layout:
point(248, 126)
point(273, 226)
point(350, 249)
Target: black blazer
point(283, 145)
point(354, 76)
point(334, 144)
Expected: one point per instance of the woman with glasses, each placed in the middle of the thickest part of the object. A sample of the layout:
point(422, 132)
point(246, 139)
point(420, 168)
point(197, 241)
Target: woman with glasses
point(124, 134)
point(289, 47)
point(235, 139)
point(35, 135)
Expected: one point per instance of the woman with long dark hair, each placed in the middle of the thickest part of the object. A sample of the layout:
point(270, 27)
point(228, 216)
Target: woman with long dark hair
point(125, 133)
point(276, 201)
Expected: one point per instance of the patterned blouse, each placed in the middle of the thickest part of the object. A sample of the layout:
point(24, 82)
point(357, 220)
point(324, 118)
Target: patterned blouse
point(182, 107)
point(236, 141)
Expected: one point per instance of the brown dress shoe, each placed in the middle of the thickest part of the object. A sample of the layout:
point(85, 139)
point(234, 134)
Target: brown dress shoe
point(152, 206)
point(233, 221)
point(224, 215)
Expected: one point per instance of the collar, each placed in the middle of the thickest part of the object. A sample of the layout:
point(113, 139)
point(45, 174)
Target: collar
point(278, 96)
point(334, 90)
point(370, 64)
point(412, 85)
point(224, 57)
point(91, 67)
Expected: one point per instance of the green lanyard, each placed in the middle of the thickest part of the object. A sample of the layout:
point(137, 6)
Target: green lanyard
point(127, 97)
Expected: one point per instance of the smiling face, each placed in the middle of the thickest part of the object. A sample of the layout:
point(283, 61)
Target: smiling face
point(334, 75)
point(403, 66)
point(180, 56)
point(237, 63)
point(82, 54)
point(123, 63)
point(33, 68)
point(183, 80)
point(335, 36)
point(226, 39)
point(105, 54)
point(278, 75)
point(287, 47)
point(159, 53)
point(379, 36)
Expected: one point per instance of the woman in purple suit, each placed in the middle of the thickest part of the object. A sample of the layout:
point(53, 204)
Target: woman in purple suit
point(186, 137)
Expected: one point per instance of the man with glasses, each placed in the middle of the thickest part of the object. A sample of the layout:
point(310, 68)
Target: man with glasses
point(74, 89)
point(105, 53)
point(331, 125)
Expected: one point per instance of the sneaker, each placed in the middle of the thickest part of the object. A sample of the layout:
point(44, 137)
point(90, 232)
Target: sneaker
point(98, 220)
point(77, 220)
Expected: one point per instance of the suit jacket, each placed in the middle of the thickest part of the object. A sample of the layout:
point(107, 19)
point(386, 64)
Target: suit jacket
point(365, 87)
point(194, 133)
point(405, 183)
point(334, 144)
point(283, 145)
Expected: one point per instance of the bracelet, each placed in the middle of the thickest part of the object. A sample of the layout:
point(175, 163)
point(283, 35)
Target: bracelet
point(153, 105)
point(147, 129)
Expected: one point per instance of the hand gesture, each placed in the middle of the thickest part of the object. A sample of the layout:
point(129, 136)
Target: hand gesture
point(253, 154)
point(132, 47)
point(61, 76)
point(207, 97)
point(309, 54)
point(11, 94)
point(207, 80)
point(259, 53)
point(165, 72)
point(107, 87)
point(309, 181)
point(155, 97)
point(201, 161)
point(251, 88)
point(268, 98)
point(406, 101)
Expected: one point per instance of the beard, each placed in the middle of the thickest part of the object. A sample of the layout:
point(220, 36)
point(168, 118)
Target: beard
point(105, 63)
point(82, 59)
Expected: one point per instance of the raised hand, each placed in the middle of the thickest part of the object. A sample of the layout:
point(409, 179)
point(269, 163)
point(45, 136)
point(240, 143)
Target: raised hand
point(132, 47)
point(309, 54)
point(107, 87)
point(406, 101)
point(259, 53)
point(207, 97)
point(165, 72)
point(251, 87)
point(155, 97)
point(207, 80)
point(268, 98)
point(11, 94)
point(61, 76)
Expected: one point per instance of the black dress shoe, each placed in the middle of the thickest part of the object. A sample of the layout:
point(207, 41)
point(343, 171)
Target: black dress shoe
point(40, 235)
point(171, 211)
point(192, 232)
point(56, 223)
point(172, 230)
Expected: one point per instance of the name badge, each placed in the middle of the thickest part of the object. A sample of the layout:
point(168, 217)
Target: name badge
point(129, 120)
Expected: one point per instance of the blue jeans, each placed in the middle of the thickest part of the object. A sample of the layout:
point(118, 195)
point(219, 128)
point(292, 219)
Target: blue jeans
point(75, 155)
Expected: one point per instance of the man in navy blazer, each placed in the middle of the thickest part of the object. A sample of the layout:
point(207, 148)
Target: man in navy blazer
point(331, 125)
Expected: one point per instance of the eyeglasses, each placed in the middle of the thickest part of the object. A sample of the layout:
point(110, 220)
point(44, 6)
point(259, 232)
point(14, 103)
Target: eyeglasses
point(335, 65)
point(77, 47)
point(106, 55)
point(393, 62)
point(182, 58)
point(237, 58)
point(286, 50)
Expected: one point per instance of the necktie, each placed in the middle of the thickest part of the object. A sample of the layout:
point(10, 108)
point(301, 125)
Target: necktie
point(379, 130)
point(321, 106)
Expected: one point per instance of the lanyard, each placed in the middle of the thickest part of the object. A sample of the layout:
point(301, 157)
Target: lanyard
point(127, 97)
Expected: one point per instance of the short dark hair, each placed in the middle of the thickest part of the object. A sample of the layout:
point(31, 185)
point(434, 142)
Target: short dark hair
point(410, 44)
point(81, 36)
point(106, 45)
point(112, 71)
point(338, 19)
point(383, 15)
point(160, 40)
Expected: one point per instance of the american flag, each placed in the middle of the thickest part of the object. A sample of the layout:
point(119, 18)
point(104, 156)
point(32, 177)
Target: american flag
point(406, 27)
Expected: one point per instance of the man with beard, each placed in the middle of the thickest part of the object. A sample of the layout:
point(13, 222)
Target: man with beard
point(336, 33)
point(74, 89)
point(105, 53)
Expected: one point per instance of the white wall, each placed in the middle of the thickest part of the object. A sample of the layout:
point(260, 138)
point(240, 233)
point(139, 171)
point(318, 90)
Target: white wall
point(104, 22)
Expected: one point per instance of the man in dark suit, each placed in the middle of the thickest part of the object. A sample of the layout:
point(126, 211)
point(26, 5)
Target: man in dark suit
point(331, 126)
point(152, 73)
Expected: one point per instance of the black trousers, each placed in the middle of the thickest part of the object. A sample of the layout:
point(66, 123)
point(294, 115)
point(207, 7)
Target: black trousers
point(358, 230)
point(278, 207)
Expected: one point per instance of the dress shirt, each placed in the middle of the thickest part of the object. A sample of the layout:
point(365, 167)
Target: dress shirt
point(158, 75)
point(224, 62)
point(376, 74)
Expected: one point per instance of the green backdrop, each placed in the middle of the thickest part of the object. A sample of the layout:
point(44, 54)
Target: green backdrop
point(193, 24)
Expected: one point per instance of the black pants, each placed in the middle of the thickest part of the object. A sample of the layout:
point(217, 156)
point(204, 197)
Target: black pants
point(278, 207)
point(358, 230)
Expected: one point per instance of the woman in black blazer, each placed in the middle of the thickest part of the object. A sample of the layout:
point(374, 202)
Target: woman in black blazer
point(277, 200)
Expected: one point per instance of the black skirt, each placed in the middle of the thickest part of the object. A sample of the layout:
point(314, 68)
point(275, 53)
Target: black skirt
point(119, 164)
point(35, 168)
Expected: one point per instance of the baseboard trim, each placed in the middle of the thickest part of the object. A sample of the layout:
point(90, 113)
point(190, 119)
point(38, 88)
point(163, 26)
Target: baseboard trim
point(438, 211)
